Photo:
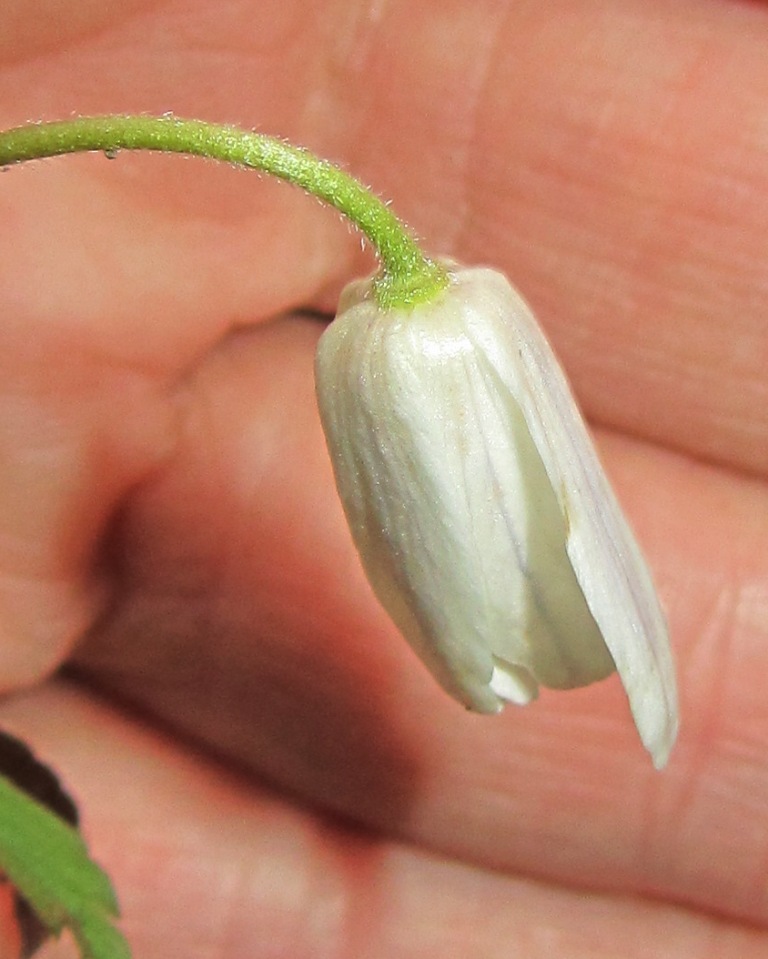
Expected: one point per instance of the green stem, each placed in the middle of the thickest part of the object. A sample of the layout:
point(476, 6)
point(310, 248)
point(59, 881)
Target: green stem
point(407, 275)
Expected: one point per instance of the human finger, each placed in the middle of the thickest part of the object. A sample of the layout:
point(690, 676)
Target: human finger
point(245, 620)
point(205, 859)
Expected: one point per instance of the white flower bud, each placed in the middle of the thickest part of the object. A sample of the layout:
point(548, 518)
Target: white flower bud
point(481, 512)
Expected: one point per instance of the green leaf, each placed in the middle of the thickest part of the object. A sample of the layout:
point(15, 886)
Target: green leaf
point(48, 863)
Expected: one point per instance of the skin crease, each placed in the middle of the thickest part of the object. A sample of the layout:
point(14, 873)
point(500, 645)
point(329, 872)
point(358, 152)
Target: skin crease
point(264, 767)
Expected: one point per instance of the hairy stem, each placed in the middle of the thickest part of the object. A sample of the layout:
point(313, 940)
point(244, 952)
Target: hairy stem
point(407, 275)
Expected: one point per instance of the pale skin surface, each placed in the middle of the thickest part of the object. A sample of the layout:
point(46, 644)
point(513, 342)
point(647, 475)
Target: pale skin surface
point(164, 485)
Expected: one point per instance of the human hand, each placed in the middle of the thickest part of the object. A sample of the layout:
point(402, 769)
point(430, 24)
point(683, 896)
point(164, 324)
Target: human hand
point(166, 490)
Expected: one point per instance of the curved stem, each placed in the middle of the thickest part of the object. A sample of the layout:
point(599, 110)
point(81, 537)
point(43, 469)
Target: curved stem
point(407, 276)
